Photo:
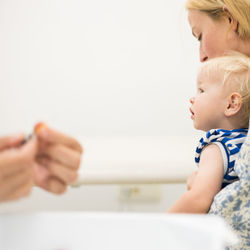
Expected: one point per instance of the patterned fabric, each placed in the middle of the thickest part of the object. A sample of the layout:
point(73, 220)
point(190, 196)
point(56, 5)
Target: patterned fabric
point(233, 202)
point(229, 142)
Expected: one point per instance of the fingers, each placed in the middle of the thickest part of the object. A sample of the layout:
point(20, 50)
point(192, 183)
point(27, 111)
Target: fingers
point(46, 168)
point(65, 174)
point(29, 149)
point(16, 171)
point(54, 185)
point(41, 172)
point(16, 186)
point(64, 156)
point(22, 191)
point(52, 136)
point(14, 160)
point(11, 141)
point(58, 159)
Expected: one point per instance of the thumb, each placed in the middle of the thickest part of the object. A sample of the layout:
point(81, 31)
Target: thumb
point(19, 156)
point(11, 141)
point(29, 148)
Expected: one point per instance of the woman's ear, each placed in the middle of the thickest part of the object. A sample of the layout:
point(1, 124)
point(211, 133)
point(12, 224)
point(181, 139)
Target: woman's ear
point(234, 23)
point(234, 103)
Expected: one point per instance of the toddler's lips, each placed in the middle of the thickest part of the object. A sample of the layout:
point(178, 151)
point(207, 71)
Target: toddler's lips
point(192, 113)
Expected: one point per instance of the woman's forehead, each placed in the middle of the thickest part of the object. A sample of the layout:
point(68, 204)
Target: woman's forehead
point(194, 16)
point(197, 18)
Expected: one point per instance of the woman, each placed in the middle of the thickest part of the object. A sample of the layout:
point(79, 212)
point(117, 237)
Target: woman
point(221, 26)
point(50, 160)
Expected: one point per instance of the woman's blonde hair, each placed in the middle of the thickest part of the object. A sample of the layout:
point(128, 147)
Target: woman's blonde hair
point(235, 68)
point(238, 10)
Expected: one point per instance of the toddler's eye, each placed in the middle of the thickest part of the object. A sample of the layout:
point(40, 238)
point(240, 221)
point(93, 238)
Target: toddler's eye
point(199, 37)
point(200, 90)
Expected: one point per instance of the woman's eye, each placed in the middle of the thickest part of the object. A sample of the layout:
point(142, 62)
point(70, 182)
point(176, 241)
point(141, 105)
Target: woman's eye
point(199, 37)
point(200, 90)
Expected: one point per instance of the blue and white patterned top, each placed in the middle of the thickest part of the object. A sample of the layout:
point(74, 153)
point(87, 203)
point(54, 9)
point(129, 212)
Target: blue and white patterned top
point(229, 143)
point(233, 202)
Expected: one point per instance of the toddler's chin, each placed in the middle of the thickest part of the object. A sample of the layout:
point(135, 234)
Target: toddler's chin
point(198, 127)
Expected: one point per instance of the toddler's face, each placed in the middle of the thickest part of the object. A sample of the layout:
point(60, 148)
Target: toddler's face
point(208, 105)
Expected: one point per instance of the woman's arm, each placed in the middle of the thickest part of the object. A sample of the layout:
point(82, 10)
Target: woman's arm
point(206, 184)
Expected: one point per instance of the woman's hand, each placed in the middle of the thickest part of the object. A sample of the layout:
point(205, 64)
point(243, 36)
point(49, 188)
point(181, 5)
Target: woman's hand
point(57, 160)
point(16, 167)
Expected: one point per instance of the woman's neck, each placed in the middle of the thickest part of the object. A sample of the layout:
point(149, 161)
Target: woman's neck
point(244, 47)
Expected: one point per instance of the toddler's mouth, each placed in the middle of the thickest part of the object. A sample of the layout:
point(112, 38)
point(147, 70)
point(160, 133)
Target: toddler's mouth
point(192, 113)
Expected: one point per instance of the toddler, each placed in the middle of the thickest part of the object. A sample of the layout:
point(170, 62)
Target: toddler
point(221, 108)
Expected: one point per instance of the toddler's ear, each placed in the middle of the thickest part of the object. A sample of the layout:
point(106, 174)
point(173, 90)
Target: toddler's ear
point(234, 104)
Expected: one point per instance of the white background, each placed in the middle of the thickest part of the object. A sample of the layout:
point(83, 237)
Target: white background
point(97, 68)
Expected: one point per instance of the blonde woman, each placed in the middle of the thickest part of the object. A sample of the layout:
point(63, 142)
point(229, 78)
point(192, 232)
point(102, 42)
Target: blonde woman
point(221, 26)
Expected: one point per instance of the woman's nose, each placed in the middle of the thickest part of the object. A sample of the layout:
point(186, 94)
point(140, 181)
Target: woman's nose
point(191, 100)
point(203, 56)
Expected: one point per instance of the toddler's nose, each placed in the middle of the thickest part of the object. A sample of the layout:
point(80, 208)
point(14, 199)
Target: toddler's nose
point(191, 100)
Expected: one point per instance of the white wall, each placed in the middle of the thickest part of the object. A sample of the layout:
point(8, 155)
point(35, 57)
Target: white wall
point(94, 198)
point(97, 68)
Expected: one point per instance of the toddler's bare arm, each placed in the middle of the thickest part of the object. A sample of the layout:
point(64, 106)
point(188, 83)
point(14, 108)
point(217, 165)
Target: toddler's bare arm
point(206, 184)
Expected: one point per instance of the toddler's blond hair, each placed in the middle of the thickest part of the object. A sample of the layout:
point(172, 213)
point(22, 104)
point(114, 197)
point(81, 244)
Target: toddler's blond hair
point(235, 68)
